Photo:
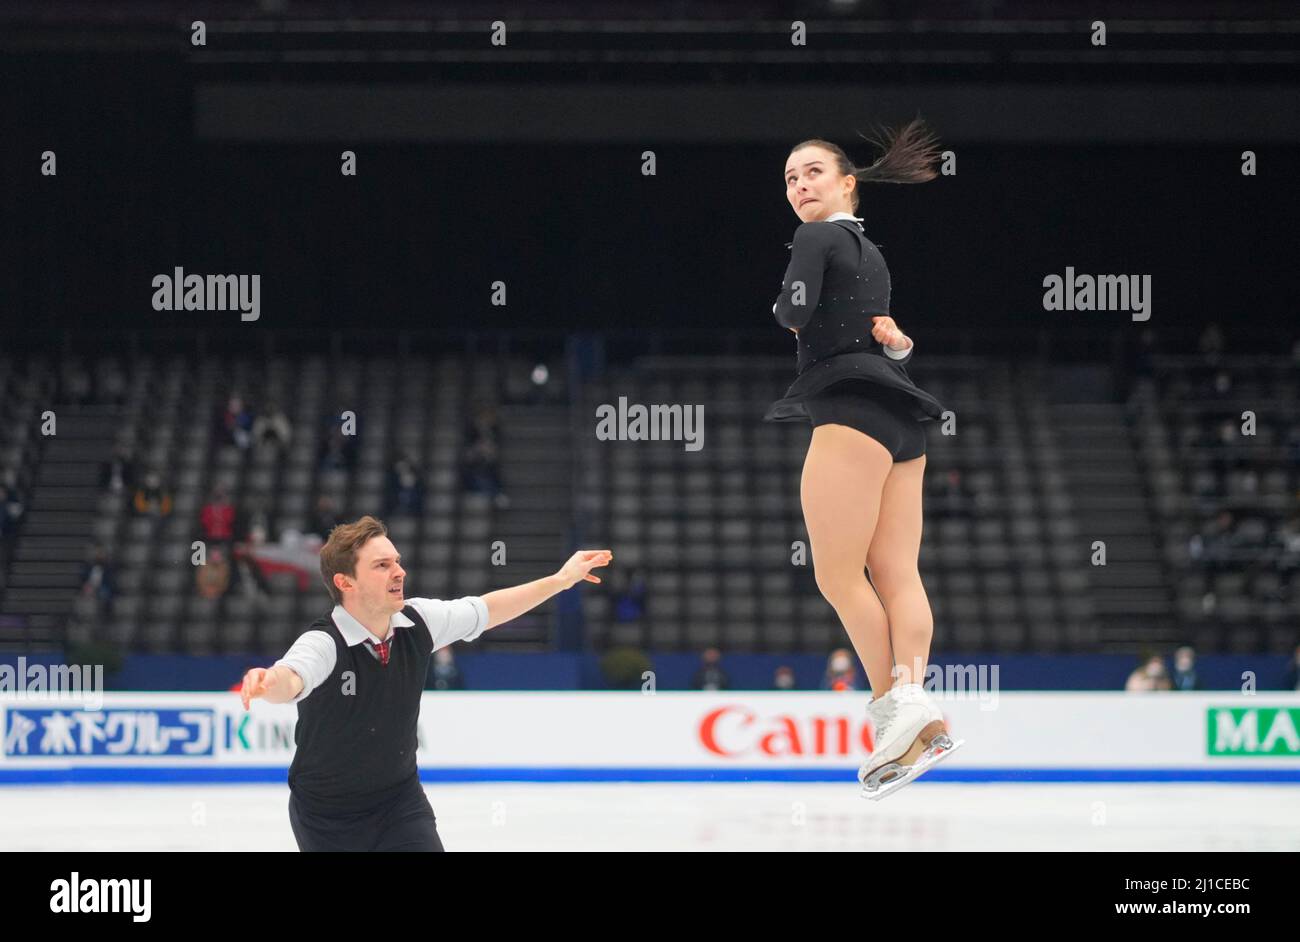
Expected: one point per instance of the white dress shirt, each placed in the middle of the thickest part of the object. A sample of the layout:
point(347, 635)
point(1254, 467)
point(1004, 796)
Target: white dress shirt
point(889, 352)
point(313, 656)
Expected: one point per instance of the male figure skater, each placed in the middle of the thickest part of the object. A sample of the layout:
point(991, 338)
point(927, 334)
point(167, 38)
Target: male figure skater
point(357, 677)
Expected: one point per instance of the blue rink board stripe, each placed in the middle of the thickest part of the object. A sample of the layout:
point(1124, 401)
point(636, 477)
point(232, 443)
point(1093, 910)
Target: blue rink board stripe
point(163, 775)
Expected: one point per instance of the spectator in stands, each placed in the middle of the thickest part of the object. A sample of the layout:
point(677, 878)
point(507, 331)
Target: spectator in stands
point(235, 423)
point(1287, 540)
point(151, 498)
point(218, 517)
point(783, 679)
point(1150, 674)
point(246, 577)
point(481, 470)
point(1184, 676)
point(213, 579)
point(110, 381)
point(540, 387)
point(840, 672)
point(1228, 452)
point(75, 383)
point(1213, 547)
point(443, 672)
point(338, 451)
point(326, 517)
point(253, 524)
point(1291, 680)
point(629, 601)
point(11, 512)
point(1221, 389)
point(272, 428)
point(710, 675)
point(1209, 603)
point(403, 490)
point(117, 474)
point(97, 579)
point(1244, 482)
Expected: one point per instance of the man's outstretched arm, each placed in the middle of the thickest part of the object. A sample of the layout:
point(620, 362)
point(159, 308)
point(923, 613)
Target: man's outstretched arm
point(504, 605)
point(274, 684)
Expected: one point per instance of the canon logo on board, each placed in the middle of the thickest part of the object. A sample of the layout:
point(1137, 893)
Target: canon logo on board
point(739, 731)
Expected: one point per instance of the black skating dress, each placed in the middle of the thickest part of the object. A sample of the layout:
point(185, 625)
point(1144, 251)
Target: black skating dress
point(843, 374)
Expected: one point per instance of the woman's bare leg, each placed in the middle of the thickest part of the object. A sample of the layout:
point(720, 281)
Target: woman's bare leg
point(892, 561)
point(843, 476)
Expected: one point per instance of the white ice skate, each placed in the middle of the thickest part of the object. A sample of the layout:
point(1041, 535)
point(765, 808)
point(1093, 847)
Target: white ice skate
point(893, 776)
point(901, 717)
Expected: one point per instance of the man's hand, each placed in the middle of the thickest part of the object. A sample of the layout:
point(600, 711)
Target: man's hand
point(506, 604)
point(259, 682)
point(887, 333)
point(580, 565)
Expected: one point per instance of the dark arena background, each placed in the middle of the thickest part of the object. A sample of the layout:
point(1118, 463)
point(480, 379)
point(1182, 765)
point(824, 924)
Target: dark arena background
point(460, 237)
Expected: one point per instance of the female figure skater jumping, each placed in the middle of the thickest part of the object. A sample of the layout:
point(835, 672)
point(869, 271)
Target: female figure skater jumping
point(862, 478)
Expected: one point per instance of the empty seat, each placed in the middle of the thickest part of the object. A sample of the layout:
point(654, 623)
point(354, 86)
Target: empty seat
point(236, 636)
point(158, 637)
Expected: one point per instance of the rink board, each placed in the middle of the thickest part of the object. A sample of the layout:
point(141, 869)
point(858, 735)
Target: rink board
point(670, 736)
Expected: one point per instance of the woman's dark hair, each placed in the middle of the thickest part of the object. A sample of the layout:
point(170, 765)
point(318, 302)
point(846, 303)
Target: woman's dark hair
point(908, 154)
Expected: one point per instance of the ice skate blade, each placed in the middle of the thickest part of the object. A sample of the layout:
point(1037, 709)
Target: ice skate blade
point(939, 749)
point(942, 742)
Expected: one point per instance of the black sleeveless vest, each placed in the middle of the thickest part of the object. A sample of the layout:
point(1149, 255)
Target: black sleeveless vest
point(356, 732)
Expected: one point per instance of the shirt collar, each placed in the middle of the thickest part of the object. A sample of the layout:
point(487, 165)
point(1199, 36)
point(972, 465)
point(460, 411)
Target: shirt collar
point(356, 633)
point(831, 218)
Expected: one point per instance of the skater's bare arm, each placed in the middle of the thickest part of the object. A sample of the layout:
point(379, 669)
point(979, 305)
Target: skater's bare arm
point(273, 684)
point(506, 604)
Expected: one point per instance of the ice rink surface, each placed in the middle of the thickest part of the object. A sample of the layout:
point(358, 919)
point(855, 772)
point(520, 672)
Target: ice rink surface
point(926, 816)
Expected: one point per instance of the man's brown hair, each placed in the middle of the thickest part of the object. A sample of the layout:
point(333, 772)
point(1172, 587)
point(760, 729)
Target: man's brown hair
point(339, 554)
